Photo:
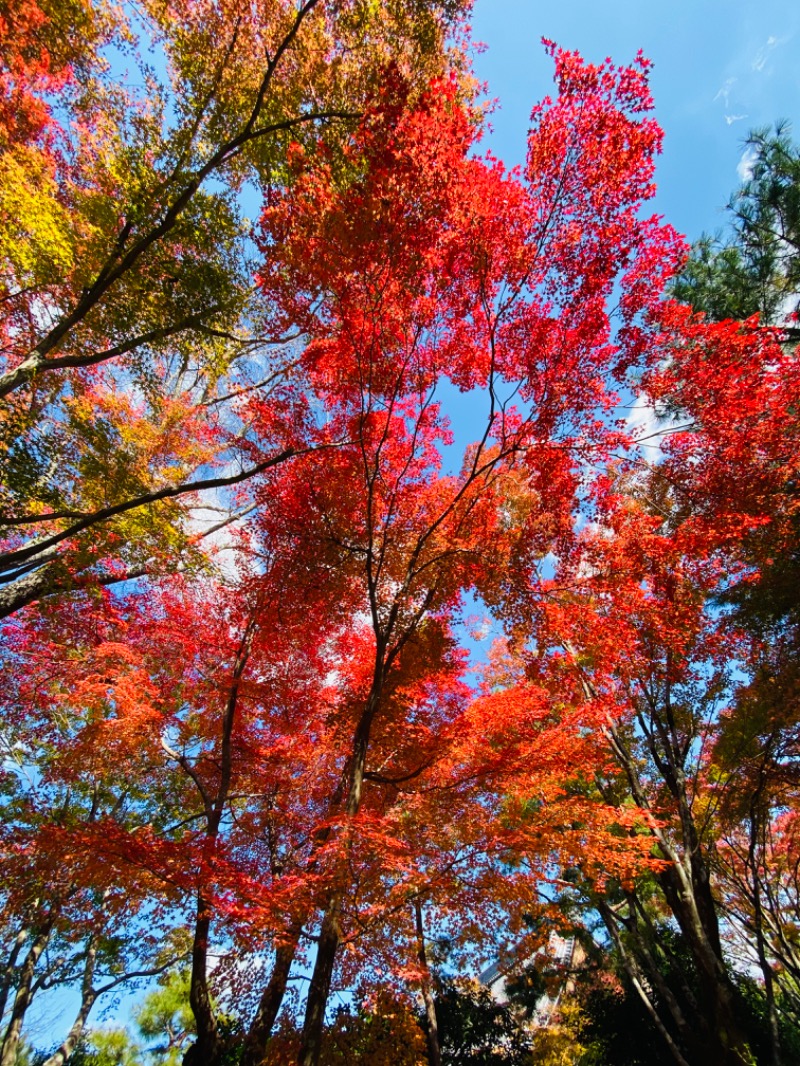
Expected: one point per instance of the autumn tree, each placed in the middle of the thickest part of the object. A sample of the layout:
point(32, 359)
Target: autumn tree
point(633, 616)
point(67, 915)
point(761, 247)
point(758, 742)
point(754, 760)
point(129, 320)
point(641, 652)
point(487, 282)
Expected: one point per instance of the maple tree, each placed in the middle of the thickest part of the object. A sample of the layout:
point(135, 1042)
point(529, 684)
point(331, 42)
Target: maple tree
point(66, 919)
point(755, 859)
point(661, 698)
point(389, 307)
point(651, 648)
point(129, 325)
point(756, 752)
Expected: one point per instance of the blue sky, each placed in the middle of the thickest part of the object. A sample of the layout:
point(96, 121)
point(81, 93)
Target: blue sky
point(721, 68)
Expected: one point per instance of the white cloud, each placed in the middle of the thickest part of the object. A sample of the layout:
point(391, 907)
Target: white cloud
point(648, 427)
point(744, 168)
point(220, 544)
point(762, 55)
point(724, 92)
point(744, 88)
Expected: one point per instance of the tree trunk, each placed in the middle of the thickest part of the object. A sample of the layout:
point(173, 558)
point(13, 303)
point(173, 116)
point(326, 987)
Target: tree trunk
point(255, 1046)
point(632, 968)
point(728, 1044)
point(23, 998)
point(320, 986)
point(10, 969)
point(753, 865)
point(88, 998)
point(431, 1024)
point(330, 931)
point(686, 884)
point(207, 1047)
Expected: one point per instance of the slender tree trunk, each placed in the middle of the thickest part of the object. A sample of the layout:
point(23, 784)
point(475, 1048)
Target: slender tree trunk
point(23, 998)
point(758, 922)
point(207, 1046)
point(769, 992)
point(330, 931)
point(431, 1024)
point(88, 998)
point(255, 1045)
point(686, 898)
point(631, 968)
point(642, 939)
point(10, 969)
